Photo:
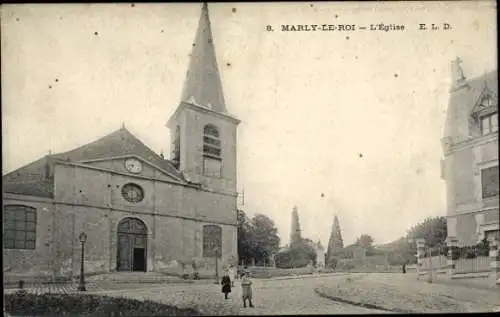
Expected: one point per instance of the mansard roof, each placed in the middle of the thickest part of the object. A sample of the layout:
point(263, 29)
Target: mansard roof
point(34, 179)
point(463, 101)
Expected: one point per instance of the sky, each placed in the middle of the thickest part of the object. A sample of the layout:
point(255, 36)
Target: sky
point(356, 116)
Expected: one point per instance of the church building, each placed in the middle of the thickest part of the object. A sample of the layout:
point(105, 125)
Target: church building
point(138, 210)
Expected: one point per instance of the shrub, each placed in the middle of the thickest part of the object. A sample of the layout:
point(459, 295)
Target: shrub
point(483, 248)
point(332, 264)
point(347, 266)
point(25, 304)
point(292, 258)
point(373, 251)
point(195, 276)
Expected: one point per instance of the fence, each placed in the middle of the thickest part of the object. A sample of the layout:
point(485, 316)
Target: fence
point(434, 258)
point(466, 258)
point(472, 259)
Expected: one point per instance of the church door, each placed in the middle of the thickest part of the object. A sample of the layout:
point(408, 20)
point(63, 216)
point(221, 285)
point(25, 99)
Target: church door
point(132, 245)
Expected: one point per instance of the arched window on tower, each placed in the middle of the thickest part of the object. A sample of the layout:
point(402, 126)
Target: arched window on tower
point(212, 159)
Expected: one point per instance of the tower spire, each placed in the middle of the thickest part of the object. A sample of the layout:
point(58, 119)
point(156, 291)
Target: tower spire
point(203, 86)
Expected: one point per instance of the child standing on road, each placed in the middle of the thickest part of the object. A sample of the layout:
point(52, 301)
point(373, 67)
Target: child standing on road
point(232, 274)
point(246, 286)
point(226, 284)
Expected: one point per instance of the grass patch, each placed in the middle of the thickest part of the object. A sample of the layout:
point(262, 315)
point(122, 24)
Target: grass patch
point(22, 303)
point(389, 297)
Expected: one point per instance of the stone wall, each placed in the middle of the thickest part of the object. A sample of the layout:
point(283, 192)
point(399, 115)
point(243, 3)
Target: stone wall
point(90, 200)
point(464, 188)
point(37, 261)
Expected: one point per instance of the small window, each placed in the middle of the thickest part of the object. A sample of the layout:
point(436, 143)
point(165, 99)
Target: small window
point(212, 240)
point(132, 193)
point(489, 182)
point(489, 124)
point(19, 227)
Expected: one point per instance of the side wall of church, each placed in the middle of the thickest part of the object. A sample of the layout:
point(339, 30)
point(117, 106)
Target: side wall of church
point(38, 261)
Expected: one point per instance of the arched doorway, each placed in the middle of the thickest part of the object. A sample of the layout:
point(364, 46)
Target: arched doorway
point(132, 245)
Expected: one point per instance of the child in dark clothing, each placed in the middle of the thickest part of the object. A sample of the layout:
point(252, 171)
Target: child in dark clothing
point(226, 284)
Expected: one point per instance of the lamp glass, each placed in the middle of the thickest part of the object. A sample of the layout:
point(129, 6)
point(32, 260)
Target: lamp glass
point(83, 237)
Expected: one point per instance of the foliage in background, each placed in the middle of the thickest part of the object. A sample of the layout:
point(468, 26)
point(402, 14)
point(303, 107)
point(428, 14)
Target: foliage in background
point(257, 238)
point(298, 256)
point(265, 238)
point(365, 241)
point(432, 229)
point(244, 237)
point(402, 252)
point(292, 258)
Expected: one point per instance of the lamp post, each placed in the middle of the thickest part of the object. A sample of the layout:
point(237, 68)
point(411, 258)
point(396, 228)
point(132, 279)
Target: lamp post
point(83, 238)
point(216, 251)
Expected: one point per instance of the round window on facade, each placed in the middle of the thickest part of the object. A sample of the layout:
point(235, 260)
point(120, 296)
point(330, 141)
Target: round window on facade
point(132, 193)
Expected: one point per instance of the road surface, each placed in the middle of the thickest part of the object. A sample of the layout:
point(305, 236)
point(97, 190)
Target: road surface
point(286, 296)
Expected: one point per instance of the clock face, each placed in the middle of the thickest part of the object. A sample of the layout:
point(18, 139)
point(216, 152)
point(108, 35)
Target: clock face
point(133, 165)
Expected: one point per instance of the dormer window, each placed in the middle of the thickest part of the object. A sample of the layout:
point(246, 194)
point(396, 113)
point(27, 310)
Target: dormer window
point(489, 123)
point(485, 111)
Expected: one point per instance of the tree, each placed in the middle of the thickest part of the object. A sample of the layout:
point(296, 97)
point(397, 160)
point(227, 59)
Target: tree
point(401, 252)
point(292, 258)
point(433, 230)
point(295, 232)
point(365, 241)
point(309, 247)
point(245, 251)
point(264, 238)
point(335, 243)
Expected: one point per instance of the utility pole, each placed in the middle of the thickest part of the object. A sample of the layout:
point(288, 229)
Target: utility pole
point(216, 265)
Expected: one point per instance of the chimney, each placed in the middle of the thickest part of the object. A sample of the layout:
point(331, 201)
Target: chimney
point(457, 75)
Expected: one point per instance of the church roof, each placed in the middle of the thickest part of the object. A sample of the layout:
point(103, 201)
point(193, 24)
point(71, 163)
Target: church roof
point(33, 179)
point(30, 180)
point(203, 85)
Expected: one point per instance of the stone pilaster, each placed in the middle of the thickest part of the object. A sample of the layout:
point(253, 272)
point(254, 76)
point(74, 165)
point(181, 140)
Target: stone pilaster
point(420, 254)
point(494, 263)
point(452, 244)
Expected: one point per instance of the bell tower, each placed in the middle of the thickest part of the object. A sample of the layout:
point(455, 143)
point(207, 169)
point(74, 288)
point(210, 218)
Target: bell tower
point(203, 132)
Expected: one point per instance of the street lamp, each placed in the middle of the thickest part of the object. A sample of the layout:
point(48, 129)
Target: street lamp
point(216, 251)
point(83, 238)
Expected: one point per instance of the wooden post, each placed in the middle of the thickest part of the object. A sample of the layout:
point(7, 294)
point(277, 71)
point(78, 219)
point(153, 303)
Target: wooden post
point(217, 266)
